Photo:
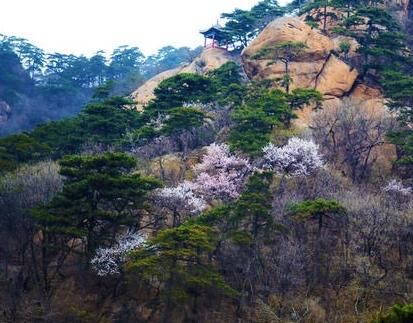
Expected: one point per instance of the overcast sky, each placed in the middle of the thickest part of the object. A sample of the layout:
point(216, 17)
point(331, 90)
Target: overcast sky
point(85, 26)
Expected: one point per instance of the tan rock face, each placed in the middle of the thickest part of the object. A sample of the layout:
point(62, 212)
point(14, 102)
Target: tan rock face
point(303, 73)
point(336, 77)
point(305, 67)
point(354, 46)
point(291, 29)
point(323, 66)
point(369, 98)
point(400, 9)
point(364, 92)
point(315, 68)
point(145, 93)
point(210, 59)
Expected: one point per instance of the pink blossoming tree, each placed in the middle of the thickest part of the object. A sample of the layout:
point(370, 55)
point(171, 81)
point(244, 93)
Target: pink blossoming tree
point(221, 174)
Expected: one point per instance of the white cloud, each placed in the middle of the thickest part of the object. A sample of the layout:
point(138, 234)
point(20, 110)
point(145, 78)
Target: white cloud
point(85, 26)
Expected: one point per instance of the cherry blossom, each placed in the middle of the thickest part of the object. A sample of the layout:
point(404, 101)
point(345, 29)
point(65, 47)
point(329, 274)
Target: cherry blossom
point(221, 174)
point(395, 186)
point(298, 157)
point(219, 157)
point(108, 261)
point(181, 197)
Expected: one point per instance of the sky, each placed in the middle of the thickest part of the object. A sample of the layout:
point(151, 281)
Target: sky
point(86, 26)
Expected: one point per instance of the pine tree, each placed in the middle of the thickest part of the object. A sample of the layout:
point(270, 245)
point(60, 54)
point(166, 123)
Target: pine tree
point(99, 195)
point(180, 258)
point(264, 112)
point(284, 52)
point(319, 210)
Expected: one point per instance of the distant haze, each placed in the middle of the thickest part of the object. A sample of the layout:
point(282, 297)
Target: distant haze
point(85, 26)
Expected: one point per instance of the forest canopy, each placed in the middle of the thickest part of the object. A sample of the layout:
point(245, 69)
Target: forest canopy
point(40, 87)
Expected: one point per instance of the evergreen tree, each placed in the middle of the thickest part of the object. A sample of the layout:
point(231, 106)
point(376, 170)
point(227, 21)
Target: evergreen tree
point(252, 210)
point(396, 314)
point(62, 137)
point(242, 26)
point(284, 52)
point(99, 195)
point(398, 87)
point(107, 121)
point(319, 210)
point(227, 74)
point(182, 88)
point(181, 119)
point(17, 149)
point(265, 111)
point(180, 258)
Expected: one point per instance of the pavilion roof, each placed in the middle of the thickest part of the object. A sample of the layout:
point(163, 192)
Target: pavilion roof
point(215, 31)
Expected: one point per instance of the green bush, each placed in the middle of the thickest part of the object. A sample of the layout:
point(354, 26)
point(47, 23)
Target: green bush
point(396, 314)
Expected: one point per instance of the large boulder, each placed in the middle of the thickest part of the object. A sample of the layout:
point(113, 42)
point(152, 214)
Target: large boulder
point(291, 29)
point(210, 59)
point(316, 67)
point(145, 92)
point(335, 78)
point(303, 74)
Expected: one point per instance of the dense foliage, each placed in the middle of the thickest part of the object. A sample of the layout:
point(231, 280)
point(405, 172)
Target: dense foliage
point(260, 115)
point(98, 196)
point(241, 26)
point(396, 314)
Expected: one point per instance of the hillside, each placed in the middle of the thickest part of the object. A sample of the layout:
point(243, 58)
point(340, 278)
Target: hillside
point(271, 182)
point(208, 60)
point(38, 87)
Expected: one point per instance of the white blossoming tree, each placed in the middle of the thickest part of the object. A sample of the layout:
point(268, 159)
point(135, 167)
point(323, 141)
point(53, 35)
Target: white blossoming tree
point(181, 200)
point(298, 157)
point(221, 174)
point(109, 261)
point(396, 187)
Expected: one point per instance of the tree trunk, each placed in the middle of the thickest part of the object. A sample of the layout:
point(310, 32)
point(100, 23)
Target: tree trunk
point(287, 77)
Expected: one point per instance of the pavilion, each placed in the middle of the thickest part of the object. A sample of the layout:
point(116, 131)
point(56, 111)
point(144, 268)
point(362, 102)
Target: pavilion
point(217, 35)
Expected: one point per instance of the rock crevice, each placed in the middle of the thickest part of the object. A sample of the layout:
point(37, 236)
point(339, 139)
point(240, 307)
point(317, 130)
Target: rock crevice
point(316, 67)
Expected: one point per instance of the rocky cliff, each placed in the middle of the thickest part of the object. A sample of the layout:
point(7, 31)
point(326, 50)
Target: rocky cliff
point(322, 65)
point(210, 59)
point(402, 10)
point(317, 66)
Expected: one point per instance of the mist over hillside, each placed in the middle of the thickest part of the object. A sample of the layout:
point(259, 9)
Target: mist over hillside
point(37, 87)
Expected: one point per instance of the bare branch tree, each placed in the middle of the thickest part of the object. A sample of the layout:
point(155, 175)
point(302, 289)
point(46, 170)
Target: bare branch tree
point(350, 136)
